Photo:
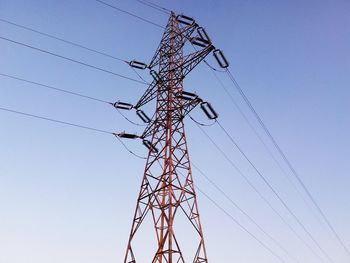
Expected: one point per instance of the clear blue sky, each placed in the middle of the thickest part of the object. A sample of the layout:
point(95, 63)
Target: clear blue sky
point(68, 195)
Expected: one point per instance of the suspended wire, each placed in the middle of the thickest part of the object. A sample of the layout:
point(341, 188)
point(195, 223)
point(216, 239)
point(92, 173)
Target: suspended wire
point(53, 88)
point(73, 44)
point(243, 212)
point(131, 152)
point(289, 164)
point(231, 77)
point(232, 218)
point(254, 130)
point(155, 6)
point(201, 124)
point(126, 118)
point(213, 68)
point(309, 234)
point(62, 40)
point(71, 124)
point(129, 13)
point(150, 22)
point(276, 193)
point(70, 93)
point(265, 126)
point(71, 60)
point(263, 143)
point(54, 120)
point(245, 178)
point(138, 74)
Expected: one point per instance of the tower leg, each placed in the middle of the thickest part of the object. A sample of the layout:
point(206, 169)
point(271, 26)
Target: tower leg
point(167, 187)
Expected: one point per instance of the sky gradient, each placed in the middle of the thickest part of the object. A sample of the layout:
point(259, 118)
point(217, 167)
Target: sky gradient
point(68, 195)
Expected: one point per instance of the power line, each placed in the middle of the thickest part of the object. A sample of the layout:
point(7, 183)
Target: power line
point(155, 6)
point(201, 124)
point(68, 92)
point(240, 225)
point(53, 88)
point(150, 4)
point(248, 122)
point(258, 192)
point(289, 164)
point(245, 178)
point(138, 74)
point(131, 152)
point(118, 74)
point(62, 40)
point(130, 14)
point(242, 211)
point(282, 154)
point(275, 193)
point(71, 60)
point(71, 124)
point(213, 70)
point(277, 147)
point(72, 44)
point(54, 120)
point(126, 118)
point(148, 21)
point(232, 218)
point(229, 73)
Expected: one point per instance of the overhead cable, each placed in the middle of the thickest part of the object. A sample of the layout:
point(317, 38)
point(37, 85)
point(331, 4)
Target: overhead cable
point(285, 205)
point(218, 188)
point(254, 130)
point(71, 60)
point(163, 27)
point(62, 40)
point(289, 164)
point(53, 88)
point(232, 218)
point(68, 92)
point(70, 124)
point(201, 124)
point(54, 120)
point(129, 13)
point(240, 225)
point(256, 190)
point(155, 6)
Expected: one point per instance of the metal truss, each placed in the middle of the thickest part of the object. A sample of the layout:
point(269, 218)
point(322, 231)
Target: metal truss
point(167, 187)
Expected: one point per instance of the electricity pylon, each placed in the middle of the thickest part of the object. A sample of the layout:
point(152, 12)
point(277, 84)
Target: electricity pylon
point(167, 187)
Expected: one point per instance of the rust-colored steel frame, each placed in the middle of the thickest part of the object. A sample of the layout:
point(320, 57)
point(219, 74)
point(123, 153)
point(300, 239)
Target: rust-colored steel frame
point(167, 186)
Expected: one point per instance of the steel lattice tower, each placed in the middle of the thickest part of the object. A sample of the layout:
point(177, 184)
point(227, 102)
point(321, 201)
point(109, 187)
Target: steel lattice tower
point(167, 187)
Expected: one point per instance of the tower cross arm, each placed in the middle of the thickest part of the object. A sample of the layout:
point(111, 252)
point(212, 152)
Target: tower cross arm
point(148, 95)
point(183, 35)
point(190, 105)
point(193, 59)
point(187, 105)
